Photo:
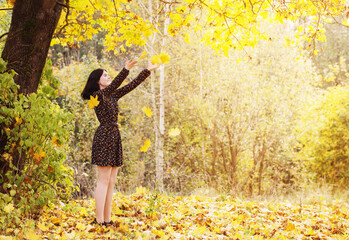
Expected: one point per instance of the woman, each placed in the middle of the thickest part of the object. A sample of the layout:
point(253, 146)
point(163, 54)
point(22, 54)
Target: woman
point(107, 148)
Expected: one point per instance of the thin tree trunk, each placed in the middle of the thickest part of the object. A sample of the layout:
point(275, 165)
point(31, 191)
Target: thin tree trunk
point(233, 157)
point(214, 153)
point(224, 160)
point(261, 168)
point(160, 157)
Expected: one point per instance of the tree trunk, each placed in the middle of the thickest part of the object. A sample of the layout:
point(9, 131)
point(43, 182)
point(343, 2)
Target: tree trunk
point(160, 156)
point(214, 150)
point(32, 26)
point(233, 157)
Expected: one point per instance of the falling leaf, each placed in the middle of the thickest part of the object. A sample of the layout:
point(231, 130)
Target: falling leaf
point(173, 132)
point(145, 146)
point(147, 111)
point(155, 59)
point(187, 39)
point(93, 102)
point(164, 57)
point(144, 54)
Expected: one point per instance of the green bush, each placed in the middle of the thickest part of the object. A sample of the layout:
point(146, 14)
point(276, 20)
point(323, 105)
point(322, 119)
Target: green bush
point(37, 129)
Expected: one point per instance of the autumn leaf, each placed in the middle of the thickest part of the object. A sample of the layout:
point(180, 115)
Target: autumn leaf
point(31, 235)
point(145, 146)
point(147, 111)
point(18, 121)
point(118, 211)
point(174, 132)
point(93, 102)
point(155, 59)
point(80, 226)
point(42, 226)
point(7, 156)
point(164, 57)
point(39, 156)
point(11, 2)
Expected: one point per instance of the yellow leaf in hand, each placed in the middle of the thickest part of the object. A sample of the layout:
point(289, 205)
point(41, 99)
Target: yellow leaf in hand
point(144, 54)
point(155, 59)
point(147, 111)
point(174, 132)
point(145, 146)
point(164, 57)
point(93, 102)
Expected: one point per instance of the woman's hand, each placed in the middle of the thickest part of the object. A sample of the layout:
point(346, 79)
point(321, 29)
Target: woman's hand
point(152, 67)
point(129, 64)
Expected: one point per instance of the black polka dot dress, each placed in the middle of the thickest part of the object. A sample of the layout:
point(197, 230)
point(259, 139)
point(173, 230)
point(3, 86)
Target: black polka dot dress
point(107, 147)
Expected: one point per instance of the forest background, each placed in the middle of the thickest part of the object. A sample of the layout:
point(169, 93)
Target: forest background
point(251, 107)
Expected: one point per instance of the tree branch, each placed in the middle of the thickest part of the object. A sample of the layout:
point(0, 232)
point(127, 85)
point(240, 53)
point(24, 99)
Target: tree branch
point(3, 35)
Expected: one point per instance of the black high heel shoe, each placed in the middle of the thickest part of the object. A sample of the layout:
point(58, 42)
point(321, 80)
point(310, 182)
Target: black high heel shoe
point(94, 222)
point(107, 224)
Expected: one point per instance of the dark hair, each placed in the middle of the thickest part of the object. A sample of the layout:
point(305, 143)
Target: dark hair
point(92, 83)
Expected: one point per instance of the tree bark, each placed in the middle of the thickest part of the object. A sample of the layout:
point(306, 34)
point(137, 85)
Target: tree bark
point(32, 26)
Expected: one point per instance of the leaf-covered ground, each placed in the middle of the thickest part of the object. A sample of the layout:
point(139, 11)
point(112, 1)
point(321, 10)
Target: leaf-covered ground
point(145, 215)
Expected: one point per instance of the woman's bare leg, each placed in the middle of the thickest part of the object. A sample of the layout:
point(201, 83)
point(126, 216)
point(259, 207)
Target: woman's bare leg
point(101, 191)
point(110, 191)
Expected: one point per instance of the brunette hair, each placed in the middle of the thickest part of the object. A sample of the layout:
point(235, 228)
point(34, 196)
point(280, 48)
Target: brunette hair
point(92, 83)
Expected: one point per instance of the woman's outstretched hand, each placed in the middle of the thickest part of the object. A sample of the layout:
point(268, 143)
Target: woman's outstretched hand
point(152, 67)
point(129, 64)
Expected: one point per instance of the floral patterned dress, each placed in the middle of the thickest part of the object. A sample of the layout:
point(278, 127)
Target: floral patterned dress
point(107, 147)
